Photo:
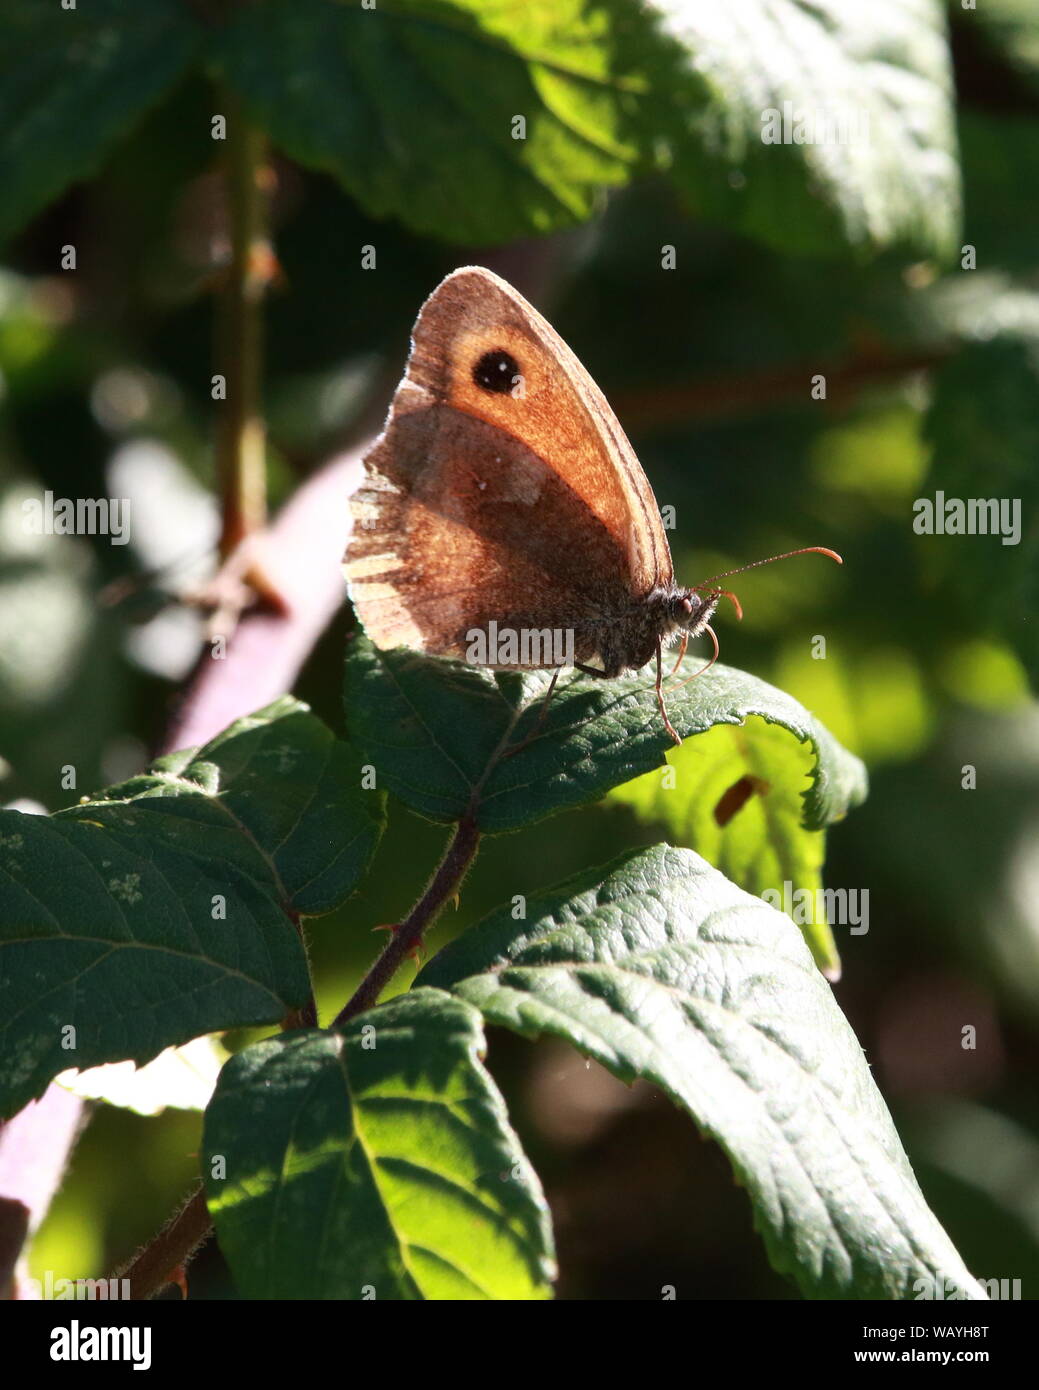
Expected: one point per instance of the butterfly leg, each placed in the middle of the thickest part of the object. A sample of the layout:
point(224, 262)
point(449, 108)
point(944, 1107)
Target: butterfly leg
point(660, 695)
point(681, 654)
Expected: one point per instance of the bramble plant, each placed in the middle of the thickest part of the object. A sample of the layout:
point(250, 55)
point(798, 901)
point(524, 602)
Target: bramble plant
point(376, 1156)
point(370, 1154)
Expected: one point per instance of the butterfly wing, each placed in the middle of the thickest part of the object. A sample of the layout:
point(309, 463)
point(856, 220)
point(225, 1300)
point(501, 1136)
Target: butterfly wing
point(502, 486)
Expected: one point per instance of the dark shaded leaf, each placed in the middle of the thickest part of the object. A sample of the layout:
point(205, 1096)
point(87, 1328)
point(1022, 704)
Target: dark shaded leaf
point(72, 82)
point(437, 733)
point(161, 910)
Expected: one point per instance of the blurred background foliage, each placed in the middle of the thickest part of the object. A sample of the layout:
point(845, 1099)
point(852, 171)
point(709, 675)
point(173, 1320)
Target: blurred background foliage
point(783, 271)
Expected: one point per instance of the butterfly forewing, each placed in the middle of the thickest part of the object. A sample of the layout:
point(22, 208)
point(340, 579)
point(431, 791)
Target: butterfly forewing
point(502, 487)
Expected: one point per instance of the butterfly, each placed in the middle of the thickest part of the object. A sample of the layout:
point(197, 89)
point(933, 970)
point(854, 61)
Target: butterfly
point(502, 497)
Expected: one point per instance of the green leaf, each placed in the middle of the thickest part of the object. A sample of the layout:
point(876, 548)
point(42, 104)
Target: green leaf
point(659, 967)
point(881, 71)
point(110, 912)
point(377, 97)
point(378, 1159)
point(984, 428)
point(411, 105)
point(734, 795)
point(72, 82)
point(440, 735)
point(293, 788)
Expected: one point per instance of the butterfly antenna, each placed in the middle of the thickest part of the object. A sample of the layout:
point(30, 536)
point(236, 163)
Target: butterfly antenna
point(717, 594)
point(787, 555)
point(727, 593)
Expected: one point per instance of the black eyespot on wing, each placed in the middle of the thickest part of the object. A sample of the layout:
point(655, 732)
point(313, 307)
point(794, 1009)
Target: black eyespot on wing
point(496, 370)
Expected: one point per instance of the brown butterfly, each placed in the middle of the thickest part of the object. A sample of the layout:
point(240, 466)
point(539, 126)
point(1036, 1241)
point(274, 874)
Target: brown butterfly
point(503, 497)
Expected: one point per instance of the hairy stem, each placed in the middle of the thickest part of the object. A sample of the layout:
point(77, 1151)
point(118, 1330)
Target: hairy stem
point(408, 936)
point(151, 1268)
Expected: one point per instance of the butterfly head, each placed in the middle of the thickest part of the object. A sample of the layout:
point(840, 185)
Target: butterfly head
point(690, 612)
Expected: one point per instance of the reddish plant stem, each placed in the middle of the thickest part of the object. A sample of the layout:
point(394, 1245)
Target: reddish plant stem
point(408, 936)
point(152, 1268)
